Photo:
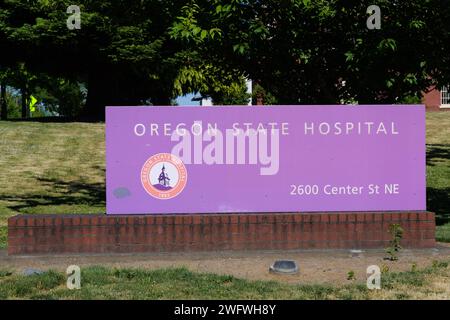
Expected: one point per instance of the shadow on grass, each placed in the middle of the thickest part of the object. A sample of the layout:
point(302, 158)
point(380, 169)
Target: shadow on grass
point(438, 201)
point(436, 153)
point(63, 193)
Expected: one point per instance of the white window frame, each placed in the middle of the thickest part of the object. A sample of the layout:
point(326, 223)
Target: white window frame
point(445, 97)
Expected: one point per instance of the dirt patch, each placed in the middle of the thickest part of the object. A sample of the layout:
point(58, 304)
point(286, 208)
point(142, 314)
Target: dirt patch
point(316, 266)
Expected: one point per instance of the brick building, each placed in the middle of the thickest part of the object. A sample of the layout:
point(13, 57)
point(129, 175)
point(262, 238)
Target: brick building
point(437, 99)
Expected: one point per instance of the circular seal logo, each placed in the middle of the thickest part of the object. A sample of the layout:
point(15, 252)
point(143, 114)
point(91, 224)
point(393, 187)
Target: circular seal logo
point(163, 176)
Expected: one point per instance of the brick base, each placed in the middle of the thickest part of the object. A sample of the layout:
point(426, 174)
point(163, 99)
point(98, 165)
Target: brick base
point(47, 234)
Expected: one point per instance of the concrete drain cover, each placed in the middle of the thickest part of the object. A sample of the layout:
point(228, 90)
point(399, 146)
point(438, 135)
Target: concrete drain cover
point(356, 253)
point(284, 267)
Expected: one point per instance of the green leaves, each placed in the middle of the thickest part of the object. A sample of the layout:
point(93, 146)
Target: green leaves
point(410, 78)
point(390, 44)
point(299, 50)
point(417, 24)
point(349, 56)
point(241, 48)
point(188, 80)
point(187, 27)
point(302, 3)
point(224, 86)
point(390, 83)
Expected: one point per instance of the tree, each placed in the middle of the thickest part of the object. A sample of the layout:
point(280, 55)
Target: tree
point(122, 50)
point(61, 96)
point(321, 52)
point(3, 105)
point(299, 51)
point(236, 94)
point(65, 97)
point(3, 102)
point(125, 51)
point(19, 78)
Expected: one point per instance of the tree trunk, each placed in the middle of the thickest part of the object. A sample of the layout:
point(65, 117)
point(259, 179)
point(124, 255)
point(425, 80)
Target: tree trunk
point(3, 105)
point(25, 107)
point(103, 90)
point(96, 99)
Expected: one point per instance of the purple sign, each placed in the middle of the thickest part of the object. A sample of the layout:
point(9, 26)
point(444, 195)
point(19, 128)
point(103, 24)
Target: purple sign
point(265, 159)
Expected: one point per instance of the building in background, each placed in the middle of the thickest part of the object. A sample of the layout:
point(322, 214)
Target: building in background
point(434, 99)
point(437, 99)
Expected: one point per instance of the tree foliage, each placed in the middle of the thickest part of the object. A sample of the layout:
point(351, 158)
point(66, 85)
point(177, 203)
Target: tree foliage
point(122, 50)
point(300, 51)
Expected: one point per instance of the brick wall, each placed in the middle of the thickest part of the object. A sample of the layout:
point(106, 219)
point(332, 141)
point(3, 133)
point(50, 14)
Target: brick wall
point(46, 234)
point(432, 99)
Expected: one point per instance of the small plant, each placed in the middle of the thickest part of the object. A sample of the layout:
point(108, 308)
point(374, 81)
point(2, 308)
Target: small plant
point(260, 94)
point(351, 275)
point(396, 232)
point(5, 273)
point(439, 264)
point(126, 273)
point(414, 267)
point(384, 269)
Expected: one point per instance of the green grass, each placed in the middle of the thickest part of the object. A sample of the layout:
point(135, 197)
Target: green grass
point(60, 168)
point(443, 233)
point(50, 168)
point(438, 171)
point(180, 283)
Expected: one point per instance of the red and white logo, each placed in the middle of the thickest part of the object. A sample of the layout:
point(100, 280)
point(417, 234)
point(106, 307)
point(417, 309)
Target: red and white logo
point(163, 176)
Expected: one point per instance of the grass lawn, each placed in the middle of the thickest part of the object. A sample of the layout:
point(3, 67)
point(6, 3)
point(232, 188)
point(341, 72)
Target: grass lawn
point(50, 168)
point(60, 168)
point(438, 171)
point(107, 283)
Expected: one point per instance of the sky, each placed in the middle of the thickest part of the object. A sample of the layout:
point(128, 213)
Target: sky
point(186, 100)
